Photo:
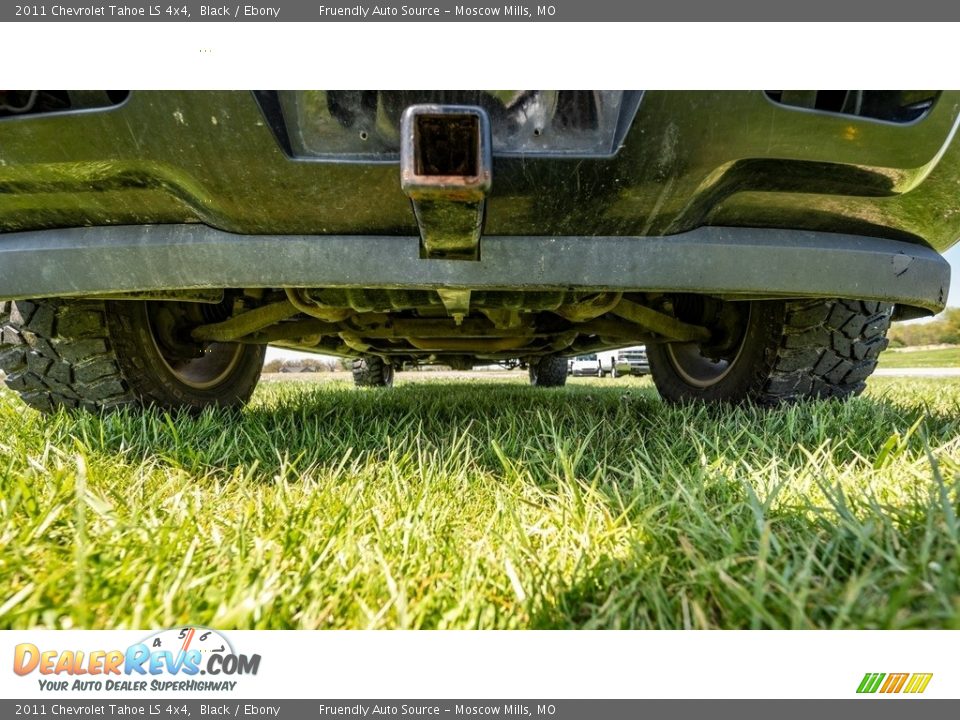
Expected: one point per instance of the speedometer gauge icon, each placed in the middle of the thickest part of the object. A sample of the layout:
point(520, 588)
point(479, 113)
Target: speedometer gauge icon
point(193, 637)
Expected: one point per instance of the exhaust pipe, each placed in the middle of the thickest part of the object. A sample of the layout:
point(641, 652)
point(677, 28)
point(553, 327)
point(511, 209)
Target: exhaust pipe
point(445, 170)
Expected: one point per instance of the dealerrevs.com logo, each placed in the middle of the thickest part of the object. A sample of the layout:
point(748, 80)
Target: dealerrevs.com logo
point(168, 660)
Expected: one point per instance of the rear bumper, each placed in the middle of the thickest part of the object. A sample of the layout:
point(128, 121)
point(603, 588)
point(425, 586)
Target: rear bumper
point(728, 262)
point(684, 160)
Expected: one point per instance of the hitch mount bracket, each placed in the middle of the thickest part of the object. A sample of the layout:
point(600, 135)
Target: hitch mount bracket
point(446, 171)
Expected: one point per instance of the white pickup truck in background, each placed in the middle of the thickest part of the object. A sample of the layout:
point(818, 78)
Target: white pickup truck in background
point(591, 364)
point(626, 361)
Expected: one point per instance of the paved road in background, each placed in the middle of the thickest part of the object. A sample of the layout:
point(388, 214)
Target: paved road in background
point(520, 375)
point(918, 372)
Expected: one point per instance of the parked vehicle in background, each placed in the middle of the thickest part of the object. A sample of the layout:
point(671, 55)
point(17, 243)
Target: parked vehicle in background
point(627, 361)
point(608, 362)
point(585, 365)
point(632, 361)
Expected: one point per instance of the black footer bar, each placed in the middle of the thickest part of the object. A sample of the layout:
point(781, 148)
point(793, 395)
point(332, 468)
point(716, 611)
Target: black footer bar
point(869, 708)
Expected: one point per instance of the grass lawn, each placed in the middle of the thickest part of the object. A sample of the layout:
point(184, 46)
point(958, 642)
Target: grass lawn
point(940, 357)
point(486, 504)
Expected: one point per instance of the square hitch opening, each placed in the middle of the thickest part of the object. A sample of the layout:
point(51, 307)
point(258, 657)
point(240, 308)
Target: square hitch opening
point(446, 144)
point(445, 170)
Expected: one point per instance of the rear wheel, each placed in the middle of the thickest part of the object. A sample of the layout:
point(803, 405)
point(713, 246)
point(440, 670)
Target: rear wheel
point(549, 371)
point(779, 351)
point(372, 371)
point(95, 355)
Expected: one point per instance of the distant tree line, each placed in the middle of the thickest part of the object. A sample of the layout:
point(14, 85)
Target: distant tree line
point(307, 365)
point(945, 330)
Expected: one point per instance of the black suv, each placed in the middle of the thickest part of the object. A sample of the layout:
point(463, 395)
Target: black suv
point(152, 244)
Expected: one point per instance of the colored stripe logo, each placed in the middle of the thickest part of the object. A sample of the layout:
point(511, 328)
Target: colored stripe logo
point(887, 683)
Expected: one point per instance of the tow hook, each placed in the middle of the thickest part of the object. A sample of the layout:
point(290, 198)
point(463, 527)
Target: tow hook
point(445, 170)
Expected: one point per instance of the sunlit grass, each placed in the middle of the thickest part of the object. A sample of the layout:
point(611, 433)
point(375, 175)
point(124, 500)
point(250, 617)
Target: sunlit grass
point(485, 504)
point(912, 358)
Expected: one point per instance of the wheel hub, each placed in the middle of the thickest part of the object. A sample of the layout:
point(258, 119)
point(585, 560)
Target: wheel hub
point(702, 365)
point(200, 366)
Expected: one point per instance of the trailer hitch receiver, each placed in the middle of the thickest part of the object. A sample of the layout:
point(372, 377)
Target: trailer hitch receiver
point(445, 170)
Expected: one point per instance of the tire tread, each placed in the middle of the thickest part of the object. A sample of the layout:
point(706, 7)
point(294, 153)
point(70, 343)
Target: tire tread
point(550, 371)
point(89, 354)
point(58, 354)
point(828, 348)
point(372, 371)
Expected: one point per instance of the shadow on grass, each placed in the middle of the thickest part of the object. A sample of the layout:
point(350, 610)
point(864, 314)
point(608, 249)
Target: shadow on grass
point(605, 426)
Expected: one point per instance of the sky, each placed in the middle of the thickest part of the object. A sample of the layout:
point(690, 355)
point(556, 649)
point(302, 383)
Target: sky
point(952, 256)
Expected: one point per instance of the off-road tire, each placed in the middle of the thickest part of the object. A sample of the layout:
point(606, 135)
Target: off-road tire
point(98, 355)
point(372, 371)
point(791, 350)
point(549, 371)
